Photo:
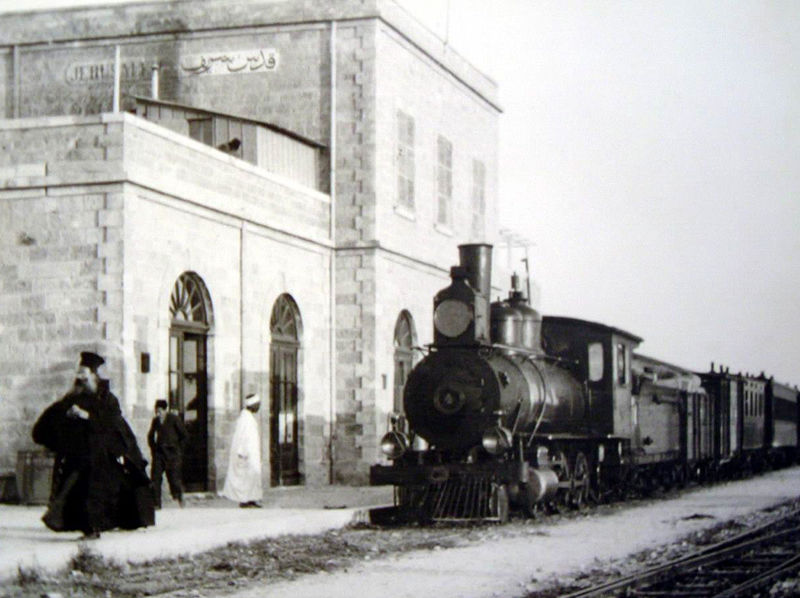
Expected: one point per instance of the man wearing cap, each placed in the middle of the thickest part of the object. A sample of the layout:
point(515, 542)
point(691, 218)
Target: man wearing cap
point(166, 438)
point(243, 480)
point(99, 479)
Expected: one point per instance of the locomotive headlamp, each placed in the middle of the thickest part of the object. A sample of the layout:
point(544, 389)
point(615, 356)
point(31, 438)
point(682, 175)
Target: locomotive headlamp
point(497, 440)
point(394, 444)
point(452, 317)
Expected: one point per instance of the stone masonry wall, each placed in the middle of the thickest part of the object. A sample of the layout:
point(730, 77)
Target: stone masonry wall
point(381, 55)
point(60, 267)
point(355, 263)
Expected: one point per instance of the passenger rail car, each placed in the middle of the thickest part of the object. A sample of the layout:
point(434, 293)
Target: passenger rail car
point(782, 434)
point(512, 410)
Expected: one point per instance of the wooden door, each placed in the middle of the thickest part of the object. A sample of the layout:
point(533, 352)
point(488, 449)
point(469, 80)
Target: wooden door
point(188, 395)
point(284, 424)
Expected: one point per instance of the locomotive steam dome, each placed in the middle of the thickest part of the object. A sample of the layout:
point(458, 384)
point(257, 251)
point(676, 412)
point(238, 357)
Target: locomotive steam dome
point(506, 324)
point(530, 335)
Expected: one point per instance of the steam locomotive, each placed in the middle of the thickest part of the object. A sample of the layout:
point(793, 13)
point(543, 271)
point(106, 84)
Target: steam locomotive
point(510, 410)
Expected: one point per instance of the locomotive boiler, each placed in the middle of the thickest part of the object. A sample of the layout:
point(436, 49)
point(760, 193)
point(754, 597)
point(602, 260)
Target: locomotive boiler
point(487, 404)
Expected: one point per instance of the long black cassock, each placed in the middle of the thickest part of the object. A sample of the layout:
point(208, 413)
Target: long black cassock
point(99, 476)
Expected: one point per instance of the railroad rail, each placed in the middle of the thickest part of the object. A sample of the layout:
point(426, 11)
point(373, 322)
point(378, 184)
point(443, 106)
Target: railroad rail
point(735, 567)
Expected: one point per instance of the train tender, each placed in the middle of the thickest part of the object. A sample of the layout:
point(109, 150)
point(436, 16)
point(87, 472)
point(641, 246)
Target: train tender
point(512, 410)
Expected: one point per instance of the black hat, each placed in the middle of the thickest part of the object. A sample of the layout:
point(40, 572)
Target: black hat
point(91, 360)
point(161, 404)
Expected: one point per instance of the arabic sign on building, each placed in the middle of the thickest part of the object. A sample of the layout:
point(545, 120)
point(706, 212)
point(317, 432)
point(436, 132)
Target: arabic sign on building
point(230, 63)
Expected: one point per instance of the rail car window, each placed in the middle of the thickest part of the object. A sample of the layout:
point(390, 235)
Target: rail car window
point(595, 362)
point(405, 160)
point(623, 373)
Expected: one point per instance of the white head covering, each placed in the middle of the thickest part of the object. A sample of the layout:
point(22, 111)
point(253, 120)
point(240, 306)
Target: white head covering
point(251, 400)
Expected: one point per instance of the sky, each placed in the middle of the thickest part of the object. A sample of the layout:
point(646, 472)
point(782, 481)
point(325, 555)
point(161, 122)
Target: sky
point(650, 151)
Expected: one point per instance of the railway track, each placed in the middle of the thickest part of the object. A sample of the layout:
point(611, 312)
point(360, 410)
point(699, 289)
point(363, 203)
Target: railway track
point(738, 566)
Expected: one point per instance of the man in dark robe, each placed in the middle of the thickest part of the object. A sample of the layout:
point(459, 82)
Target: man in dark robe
point(99, 478)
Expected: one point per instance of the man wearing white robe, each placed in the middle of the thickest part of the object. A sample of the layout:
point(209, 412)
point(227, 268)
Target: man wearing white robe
point(243, 480)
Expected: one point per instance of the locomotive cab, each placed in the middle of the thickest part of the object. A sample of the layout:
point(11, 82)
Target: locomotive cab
point(600, 356)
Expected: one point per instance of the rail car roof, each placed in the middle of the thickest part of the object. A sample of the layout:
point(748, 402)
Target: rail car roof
point(587, 324)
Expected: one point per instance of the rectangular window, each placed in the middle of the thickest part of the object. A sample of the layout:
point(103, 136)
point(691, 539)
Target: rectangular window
point(405, 160)
point(595, 362)
point(200, 130)
point(444, 181)
point(622, 364)
point(478, 198)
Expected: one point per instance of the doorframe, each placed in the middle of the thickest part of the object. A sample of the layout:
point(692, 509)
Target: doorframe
point(179, 331)
point(179, 326)
point(295, 340)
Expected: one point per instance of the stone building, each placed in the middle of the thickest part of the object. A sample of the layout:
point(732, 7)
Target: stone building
point(261, 196)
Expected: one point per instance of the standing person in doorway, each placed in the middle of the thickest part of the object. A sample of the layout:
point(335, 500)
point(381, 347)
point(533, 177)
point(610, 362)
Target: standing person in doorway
point(243, 480)
point(166, 438)
point(99, 478)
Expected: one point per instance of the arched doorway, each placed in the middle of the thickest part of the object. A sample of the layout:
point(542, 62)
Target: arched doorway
point(286, 330)
point(191, 317)
point(404, 341)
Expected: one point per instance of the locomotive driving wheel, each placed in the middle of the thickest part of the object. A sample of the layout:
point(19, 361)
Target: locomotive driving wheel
point(560, 465)
point(581, 483)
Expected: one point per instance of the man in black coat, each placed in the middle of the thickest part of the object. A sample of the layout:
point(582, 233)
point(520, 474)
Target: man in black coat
point(166, 438)
point(99, 478)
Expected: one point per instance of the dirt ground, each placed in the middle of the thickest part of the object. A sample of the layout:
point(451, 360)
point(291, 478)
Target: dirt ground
point(538, 559)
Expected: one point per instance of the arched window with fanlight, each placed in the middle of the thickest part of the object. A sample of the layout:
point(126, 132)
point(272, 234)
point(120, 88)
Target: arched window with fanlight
point(405, 339)
point(190, 322)
point(286, 335)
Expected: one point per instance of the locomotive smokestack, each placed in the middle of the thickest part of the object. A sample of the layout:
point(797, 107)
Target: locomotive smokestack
point(476, 258)
point(476, 267)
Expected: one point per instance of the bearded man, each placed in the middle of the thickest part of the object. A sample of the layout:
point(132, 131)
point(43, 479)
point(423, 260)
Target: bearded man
point(99, 479)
